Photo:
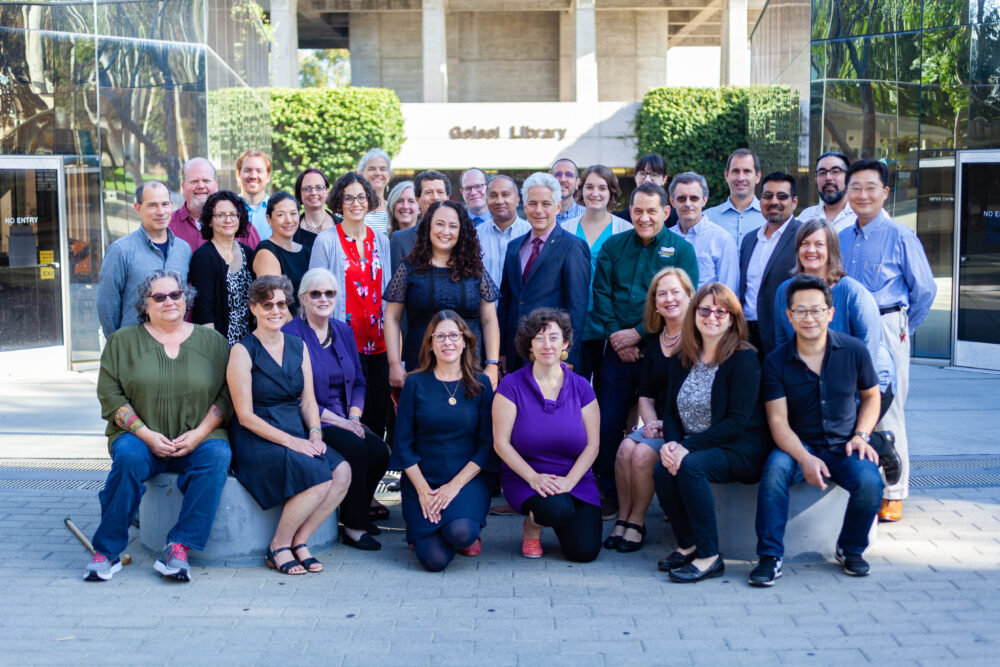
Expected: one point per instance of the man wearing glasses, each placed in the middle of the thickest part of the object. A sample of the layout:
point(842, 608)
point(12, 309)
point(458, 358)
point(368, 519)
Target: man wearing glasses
point(810, 385)
point(831, 182)
point(715, 247)
point(888, 259)
point(473, 185)
point(651, 168)
point(566, 172)
point(767, 257)
point(199, 181)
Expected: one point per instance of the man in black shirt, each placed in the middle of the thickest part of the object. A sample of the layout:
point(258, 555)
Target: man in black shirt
point(810, 388)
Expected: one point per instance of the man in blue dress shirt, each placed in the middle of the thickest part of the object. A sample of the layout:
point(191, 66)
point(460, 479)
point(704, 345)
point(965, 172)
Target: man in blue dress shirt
point(740, 213)
point(473, 186)
point(718, 259)
point(253, 173)
point(565, 171)
point(503, 225)
point(889, 260)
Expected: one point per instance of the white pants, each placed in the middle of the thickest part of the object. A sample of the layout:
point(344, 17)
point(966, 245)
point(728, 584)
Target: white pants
point(896, 336)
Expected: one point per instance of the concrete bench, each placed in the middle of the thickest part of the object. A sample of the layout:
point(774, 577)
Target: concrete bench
point(814, 521)
point(241, 531)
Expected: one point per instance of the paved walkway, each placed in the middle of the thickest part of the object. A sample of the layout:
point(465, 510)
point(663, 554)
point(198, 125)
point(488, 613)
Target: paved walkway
point(933, 597)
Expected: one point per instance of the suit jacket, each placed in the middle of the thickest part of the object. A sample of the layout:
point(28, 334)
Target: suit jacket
point(560, 278)
point(401, 245)
point(779, 268)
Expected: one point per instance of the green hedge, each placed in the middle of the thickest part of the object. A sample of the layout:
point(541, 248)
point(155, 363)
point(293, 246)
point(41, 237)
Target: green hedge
point(695, 129)
point(330, 129)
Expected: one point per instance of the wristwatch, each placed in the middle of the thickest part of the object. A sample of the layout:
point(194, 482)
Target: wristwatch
point(492, 361)
point(864, 436)
point(355, 418)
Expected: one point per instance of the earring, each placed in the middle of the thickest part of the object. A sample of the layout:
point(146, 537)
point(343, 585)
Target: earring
point(564, 356)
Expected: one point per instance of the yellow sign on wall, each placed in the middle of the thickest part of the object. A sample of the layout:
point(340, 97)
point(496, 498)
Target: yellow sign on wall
point(46, 256)
point(47, 273)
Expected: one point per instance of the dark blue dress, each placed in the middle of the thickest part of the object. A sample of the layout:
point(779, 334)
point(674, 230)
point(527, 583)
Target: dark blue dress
point(442, 439)
point(270, 472)
point(425, 293)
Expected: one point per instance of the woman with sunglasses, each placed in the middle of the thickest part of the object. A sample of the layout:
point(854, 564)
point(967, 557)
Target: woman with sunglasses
point(220, 270)
point(714, 429)
point(339, 386)
point(277, 436)
point(311, 190)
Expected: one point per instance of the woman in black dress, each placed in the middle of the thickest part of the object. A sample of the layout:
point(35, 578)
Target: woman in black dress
point(444, 271)
point(444, 444)
point(270, 381)
point(311, 190)
point(220, 269)
point(280, 255)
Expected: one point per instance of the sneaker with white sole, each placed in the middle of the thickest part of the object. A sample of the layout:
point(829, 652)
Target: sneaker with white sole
point(102, 568)
point(173, 562)
point(853, 564)
point(766, 572)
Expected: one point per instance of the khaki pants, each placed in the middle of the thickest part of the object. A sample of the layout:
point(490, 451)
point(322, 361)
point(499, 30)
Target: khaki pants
point(896, 336)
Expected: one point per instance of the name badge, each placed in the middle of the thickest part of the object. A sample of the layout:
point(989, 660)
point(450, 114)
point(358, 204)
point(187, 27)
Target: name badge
point(665, 252)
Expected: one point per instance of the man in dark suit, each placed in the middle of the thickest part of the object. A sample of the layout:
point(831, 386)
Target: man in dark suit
point(767, 257)
point(546, 267)
point(428, 187)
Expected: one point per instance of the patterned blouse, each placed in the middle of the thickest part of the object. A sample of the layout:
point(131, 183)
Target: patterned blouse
point(363, 292)
point(238, 294)
point(694, 400)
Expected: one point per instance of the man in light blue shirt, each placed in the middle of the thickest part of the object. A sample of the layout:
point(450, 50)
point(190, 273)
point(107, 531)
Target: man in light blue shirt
point(253, 172)
point(888, 259)
point(740, 213)
point(131, 258)
point(503, 225)
point(831, 181)
point(718, 259)
point(566, 172)
point(473, 186)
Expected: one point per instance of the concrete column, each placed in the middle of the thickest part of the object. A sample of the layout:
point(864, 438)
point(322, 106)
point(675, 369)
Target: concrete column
point(735, 59)
point(285, 47)
point(585, 51)
point(435, 51)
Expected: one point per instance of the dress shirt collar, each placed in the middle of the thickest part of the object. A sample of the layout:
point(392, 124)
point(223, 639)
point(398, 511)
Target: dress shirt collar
point(544, 237)
point(728, 205)
point(762, 237)
point(189, 217)
point(871, 227)
point(833, 342)
point(656, 239)
point(698, 229)
point(510, 228)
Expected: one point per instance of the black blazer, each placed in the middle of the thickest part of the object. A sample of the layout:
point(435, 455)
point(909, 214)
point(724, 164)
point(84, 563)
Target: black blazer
point(778, 270)
point(738, 421)
point(560, 278)
point(401, 245)
point(208, 275)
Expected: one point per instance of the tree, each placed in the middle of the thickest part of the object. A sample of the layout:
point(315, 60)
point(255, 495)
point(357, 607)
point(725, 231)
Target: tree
point(324, 68)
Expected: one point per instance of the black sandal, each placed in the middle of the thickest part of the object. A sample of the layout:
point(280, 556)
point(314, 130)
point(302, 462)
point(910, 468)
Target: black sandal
point(284, 568)
point(308, 563)
point(628, 546)
point(378, 513)
point(614, 541)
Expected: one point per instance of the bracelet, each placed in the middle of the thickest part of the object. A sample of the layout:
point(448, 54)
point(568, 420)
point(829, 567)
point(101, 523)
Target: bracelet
point(315, 429)
point(492, 361)
point(355, 418)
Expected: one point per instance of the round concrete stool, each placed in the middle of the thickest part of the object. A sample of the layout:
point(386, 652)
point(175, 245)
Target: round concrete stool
point(814, 521)
point(240, 533)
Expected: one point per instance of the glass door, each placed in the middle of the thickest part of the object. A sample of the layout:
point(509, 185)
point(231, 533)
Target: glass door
point(977, 261)
point(31, 253)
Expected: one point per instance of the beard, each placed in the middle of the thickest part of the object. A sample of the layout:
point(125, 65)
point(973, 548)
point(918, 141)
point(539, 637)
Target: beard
point(832, 197)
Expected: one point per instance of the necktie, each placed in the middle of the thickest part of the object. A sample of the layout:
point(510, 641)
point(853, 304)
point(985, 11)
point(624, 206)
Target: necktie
point(536, 247)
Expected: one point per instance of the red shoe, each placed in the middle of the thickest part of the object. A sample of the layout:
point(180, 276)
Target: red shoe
point(530, 548)
point(474, 549)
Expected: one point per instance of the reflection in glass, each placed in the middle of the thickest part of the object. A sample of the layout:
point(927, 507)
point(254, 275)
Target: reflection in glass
point(863, 58)
point(944, 13)
point(85, 244)
point(945, 58)
point(935, 225)
point(979, 255)
point(860, 119)
point(167, 20)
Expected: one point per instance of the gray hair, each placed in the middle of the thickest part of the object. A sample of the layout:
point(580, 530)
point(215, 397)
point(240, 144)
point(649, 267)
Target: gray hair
point(314, 277)
point(198, 160)
point(469, 171)
point(146, 288)
point(505, 177)
point(689, 177)
point(370, 155)
point(394, 195)
point(544, 180)
point(142, 186)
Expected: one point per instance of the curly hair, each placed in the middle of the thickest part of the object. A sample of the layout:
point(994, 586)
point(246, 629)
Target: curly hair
point(264, 288)
point(209, 210)
point(535, 322)
point(145, 288)
point(466, 257)
point(470, 368)
point(335, 200)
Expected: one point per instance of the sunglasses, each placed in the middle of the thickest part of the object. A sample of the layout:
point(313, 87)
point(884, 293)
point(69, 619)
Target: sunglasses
point(270, 305)
point(706, 312)
point(318, 294)
point(176, 295)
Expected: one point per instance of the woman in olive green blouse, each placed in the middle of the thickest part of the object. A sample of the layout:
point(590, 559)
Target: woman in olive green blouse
point(162, 388)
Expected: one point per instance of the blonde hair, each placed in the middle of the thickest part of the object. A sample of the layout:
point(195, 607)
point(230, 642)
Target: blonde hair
point(651, 319)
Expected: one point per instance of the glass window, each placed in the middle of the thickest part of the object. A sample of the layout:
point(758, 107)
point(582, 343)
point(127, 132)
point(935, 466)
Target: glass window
point(167, 20)
point(945, 56)
point(860, 119)
point(935, 229)
point(863, 58)
point(984, 117)
point(941, 13)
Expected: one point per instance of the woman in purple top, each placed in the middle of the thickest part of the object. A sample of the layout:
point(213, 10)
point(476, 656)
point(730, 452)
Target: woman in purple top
point(546, 431)
point(339, 386)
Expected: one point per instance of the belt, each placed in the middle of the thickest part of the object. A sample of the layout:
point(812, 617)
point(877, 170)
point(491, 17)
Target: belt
point(889, 309)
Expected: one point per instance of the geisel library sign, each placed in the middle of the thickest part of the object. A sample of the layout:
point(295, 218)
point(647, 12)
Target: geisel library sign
point(516, 135)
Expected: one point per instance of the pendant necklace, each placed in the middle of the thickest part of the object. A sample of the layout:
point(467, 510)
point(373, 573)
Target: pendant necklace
point(451, 392)
point(668, 340)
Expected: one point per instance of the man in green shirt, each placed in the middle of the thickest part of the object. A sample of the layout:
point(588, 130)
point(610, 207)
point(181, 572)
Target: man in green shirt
point(625, 266)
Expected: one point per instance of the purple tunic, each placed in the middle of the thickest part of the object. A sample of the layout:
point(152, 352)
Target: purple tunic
point(549, 435)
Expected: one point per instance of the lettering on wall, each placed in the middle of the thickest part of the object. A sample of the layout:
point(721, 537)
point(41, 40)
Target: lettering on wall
point(521, 132)
point(21, 221)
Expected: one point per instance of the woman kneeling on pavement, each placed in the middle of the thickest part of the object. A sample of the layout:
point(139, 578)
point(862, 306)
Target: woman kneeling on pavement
point(443, 444)
point(270, 379)
point(714, 428)
point(546, 429)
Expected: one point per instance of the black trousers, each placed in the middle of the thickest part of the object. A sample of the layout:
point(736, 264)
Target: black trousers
point(377, 398)
point(591, 359)
point(577, 524)
point(687, 497)
point(368, 458)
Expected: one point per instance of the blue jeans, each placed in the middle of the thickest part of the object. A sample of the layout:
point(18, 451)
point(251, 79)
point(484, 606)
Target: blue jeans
point(858, 477)
point(202, 476)
point(619, 384)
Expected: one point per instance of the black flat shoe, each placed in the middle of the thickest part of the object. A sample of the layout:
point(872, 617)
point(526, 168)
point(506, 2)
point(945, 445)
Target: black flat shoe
point(366, 542)
point(689, 574)
point(613, 541)
point(675, 560)
point(378, 513)
point(373, 529)
point(628, 546)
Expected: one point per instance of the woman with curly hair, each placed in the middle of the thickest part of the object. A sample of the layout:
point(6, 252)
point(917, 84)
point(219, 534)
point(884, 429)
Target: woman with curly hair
point(444, 271)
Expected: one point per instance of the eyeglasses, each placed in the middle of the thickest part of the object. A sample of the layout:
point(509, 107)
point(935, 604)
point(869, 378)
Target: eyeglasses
point(314, 188)
point(478, 187)
point(225, 216)
point(564, 174)
point(836, 171)
point(317, 294)
point(643, 175)
point(780, 196)
point(706, 312)
point(350, 199)
point(870, 190)
point(802, 313)
point(271, 305)
point(176, 295)
point(683, 199)
point(452, 337)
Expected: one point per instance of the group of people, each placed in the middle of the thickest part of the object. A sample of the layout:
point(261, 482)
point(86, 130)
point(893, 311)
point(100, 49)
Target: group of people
point(582, 358)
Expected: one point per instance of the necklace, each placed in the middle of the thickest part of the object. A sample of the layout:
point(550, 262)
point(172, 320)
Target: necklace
point(451, 392)
point(310, 226)
point(667, 339)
